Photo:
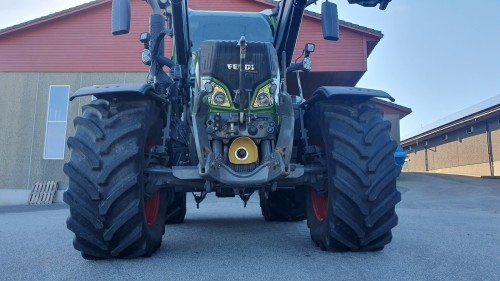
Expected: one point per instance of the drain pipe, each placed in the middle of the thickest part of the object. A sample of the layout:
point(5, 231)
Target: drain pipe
point(490, 149)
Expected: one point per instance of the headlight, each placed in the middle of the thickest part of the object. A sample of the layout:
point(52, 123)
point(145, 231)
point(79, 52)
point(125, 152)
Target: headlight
point(219, 96)
point(264, 97)
point(219, 99)
point(307, 63)
point(146, 57)
point(209, 87)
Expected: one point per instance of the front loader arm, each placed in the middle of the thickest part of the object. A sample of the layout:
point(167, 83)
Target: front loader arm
point(288, 22)
point(289, 18)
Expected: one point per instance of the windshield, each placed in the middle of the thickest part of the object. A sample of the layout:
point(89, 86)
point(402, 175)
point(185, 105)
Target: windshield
point(210, 25)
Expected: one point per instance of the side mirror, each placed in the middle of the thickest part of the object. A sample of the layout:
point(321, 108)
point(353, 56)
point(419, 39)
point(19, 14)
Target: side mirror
point(120, 17)
point(330, 21)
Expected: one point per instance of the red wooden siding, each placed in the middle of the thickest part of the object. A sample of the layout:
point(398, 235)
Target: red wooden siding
point(82, 42)
point(347, 54)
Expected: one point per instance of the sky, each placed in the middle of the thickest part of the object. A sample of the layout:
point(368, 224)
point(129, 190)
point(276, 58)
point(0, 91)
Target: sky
point(436, 57)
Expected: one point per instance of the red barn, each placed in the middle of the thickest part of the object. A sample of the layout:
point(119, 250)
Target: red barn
point(44, 61)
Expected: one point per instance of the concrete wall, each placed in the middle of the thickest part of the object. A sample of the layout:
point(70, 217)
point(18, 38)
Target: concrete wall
point(23, 116)
point(460, 153)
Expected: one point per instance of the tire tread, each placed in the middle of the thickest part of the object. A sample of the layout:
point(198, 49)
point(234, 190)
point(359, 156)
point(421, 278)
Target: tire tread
point(105, 194)
point(361, 169)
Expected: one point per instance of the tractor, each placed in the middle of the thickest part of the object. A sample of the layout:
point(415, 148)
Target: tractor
point(216, 117)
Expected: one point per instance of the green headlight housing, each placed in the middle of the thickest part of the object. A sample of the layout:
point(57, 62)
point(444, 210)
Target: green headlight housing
point(218, 94)
point(218, 97)
point(265, 96)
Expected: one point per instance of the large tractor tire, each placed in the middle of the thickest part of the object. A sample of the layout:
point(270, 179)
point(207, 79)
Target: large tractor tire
point(284, 205)
point(110, 212)
point(176, 211)
point(353, 210)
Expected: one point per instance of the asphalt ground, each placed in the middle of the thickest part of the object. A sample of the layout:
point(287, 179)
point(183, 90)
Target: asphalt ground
point(449, 229)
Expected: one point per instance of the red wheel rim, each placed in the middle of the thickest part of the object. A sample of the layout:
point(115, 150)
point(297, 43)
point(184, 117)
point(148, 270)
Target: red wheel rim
point(320, 205)
point(151, 207)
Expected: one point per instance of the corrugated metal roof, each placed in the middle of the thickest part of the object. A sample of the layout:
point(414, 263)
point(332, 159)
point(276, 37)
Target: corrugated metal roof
point(474, 109)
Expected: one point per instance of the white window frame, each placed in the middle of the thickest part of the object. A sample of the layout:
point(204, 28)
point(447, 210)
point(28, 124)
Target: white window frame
point(47, 122)
point(444, 137)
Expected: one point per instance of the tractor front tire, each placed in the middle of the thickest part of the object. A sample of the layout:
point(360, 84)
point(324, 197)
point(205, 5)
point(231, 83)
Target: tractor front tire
point(110, 213)
point(354, 209)
point(284, 205)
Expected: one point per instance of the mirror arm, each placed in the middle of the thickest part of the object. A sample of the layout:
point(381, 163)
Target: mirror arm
point(295, 67)
point(154, 6)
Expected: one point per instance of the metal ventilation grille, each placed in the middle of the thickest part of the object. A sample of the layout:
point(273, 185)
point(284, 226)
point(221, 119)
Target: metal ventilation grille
point(243, 168)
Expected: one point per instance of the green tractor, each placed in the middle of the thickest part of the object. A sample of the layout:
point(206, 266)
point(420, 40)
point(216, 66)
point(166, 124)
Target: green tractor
point(217, 117)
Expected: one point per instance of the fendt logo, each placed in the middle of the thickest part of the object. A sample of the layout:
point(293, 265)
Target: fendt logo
point(248, 67)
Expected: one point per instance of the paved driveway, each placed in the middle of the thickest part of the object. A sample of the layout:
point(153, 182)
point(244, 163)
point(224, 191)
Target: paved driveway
point(449, 230)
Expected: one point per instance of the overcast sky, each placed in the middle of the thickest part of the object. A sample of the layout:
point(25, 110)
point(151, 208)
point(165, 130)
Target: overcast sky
point(436, 57)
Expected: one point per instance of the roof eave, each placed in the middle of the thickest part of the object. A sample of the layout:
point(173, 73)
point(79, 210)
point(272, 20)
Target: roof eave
point(67, 12)
point(433, 132)
point(405, 111)
point(51, 17)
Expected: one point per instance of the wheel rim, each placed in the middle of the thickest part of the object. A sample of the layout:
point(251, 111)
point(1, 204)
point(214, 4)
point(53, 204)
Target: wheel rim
point(320, 205)
point(151, 207)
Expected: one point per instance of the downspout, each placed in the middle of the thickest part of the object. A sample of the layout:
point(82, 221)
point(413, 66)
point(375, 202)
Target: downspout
point(426, 160)
point(490, 149)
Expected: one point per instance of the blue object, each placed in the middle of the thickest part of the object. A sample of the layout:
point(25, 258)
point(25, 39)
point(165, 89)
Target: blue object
point(399, 157)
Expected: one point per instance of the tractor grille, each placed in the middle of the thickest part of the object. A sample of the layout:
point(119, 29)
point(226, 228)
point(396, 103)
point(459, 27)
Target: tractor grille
point(243, 168)
point(216, 55)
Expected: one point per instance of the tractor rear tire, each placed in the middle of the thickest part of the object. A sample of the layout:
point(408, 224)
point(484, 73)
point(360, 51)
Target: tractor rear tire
point(284, 205)
point(176, 211)
point(110, 213)
point(354, 209)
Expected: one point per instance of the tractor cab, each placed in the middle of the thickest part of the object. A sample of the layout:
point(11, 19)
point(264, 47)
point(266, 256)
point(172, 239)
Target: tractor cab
point(228, 26)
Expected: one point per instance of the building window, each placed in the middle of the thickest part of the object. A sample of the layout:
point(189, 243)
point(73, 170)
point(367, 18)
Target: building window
point(444, 137)
point(498, 120)
point(469, 130)
point(424, 143)
point(408, 148)
point(57, 115)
